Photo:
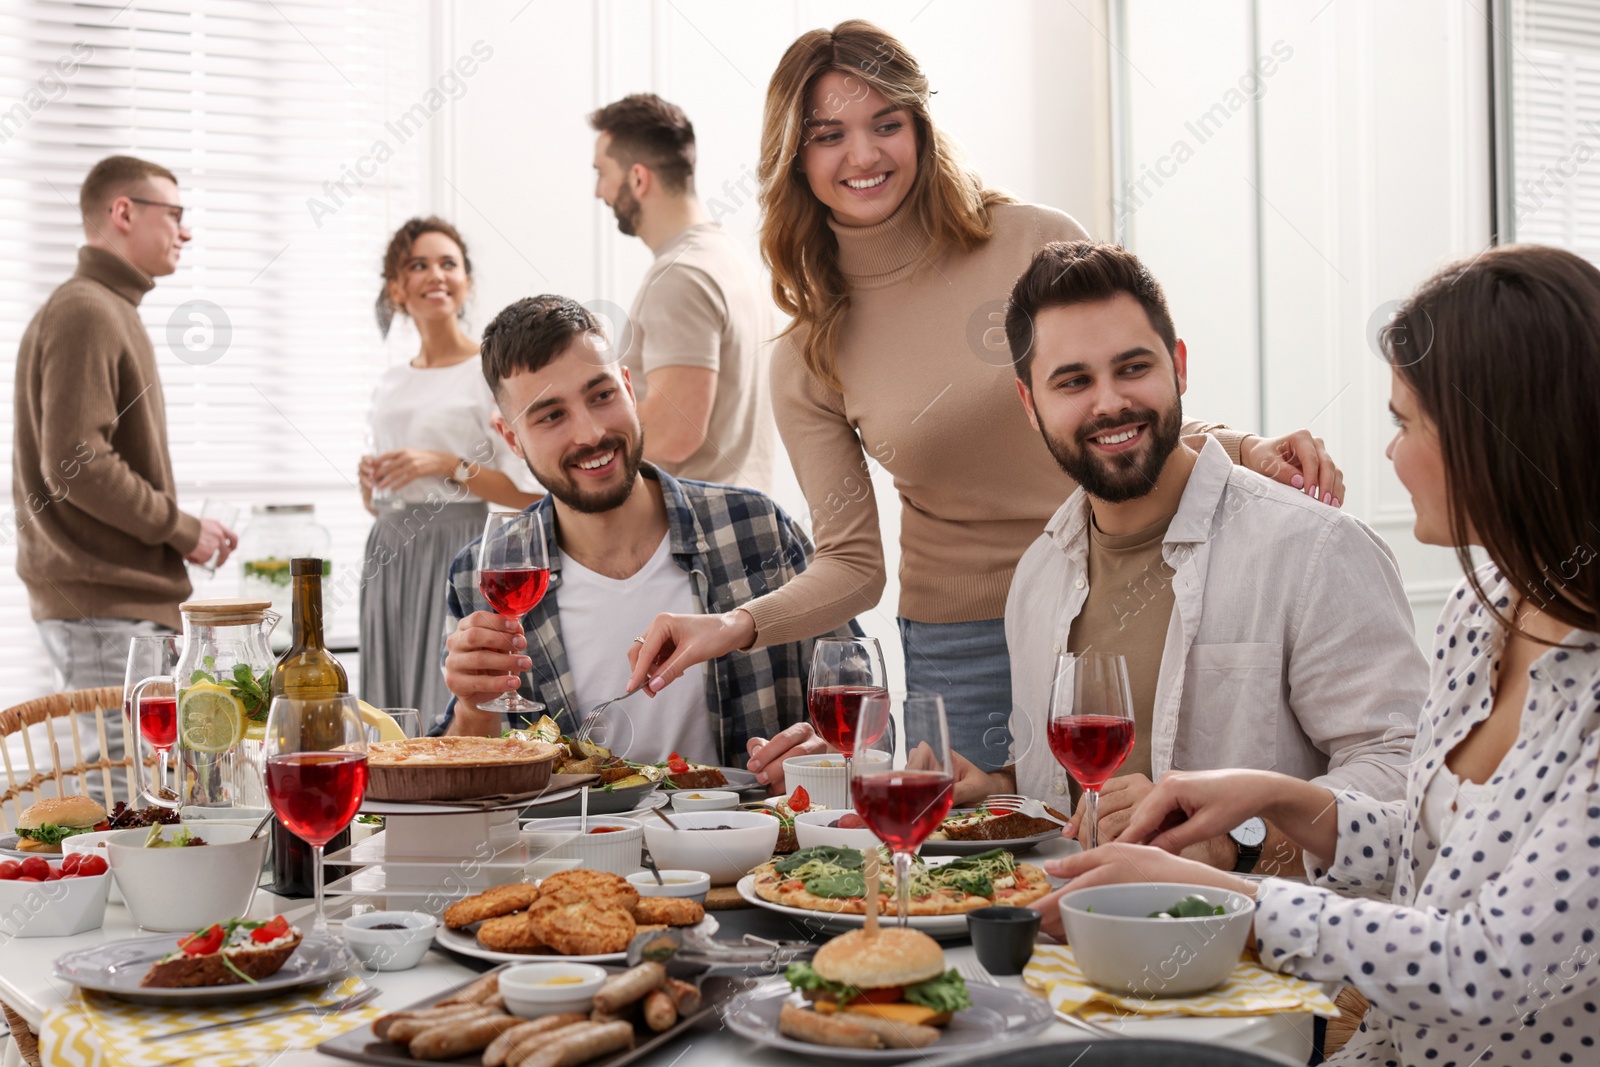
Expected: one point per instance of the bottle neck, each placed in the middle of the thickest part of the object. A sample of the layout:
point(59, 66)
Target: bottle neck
point(307, 611)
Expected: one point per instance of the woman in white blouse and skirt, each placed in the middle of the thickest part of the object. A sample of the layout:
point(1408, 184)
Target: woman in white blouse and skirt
point(1469, 912)
point(436, 461)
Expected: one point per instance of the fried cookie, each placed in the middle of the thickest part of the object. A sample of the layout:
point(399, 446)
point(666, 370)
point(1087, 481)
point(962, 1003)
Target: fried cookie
point(584, 929)
point(601, 887)
point(501, 900)
point(674, 911)
point(511, 933)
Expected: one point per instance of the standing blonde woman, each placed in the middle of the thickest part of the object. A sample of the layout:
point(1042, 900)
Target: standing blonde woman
point(889, 253)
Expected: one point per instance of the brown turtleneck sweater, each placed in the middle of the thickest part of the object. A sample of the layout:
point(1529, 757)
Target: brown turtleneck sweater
point(929, 393)
point(99, 530)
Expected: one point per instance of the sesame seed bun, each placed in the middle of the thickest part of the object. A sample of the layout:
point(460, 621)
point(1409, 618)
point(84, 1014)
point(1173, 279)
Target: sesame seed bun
point(897, 956)
point(72, 811)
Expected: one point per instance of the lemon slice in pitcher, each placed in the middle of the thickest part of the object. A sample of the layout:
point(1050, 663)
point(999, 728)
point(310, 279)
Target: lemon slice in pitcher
point(210, 718)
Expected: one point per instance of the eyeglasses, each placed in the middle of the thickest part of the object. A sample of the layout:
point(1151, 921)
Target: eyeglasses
point(176, 209)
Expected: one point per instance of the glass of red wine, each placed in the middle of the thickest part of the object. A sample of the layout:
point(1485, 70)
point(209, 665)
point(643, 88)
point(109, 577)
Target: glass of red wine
point(906, 784)
point(513, 573)
point(1091, 722)
point(150, 704)
point(316, 772)
point(844, 671)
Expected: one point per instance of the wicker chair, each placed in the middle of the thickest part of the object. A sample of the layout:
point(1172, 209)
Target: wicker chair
point(27, 779)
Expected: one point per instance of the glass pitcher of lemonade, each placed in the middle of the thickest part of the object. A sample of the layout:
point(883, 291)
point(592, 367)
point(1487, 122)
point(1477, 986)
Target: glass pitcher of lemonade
point(222, 681)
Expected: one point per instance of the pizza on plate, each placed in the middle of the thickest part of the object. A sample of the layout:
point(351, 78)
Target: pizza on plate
point(832, 880)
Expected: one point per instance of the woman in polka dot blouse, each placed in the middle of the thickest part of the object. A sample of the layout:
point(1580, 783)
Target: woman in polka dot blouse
point(1469, 912)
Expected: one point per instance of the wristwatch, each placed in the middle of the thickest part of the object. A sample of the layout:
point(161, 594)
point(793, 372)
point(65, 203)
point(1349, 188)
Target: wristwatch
point(1249, 835)
point(462, 472)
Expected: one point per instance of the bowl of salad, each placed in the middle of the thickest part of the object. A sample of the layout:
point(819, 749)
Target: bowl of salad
point(1160, 939)
point(217, 866)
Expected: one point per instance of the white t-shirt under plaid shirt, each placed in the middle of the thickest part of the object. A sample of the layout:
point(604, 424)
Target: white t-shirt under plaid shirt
point(1493, 956)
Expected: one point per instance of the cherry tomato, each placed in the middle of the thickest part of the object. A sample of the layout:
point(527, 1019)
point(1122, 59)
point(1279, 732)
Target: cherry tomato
point(70, 864)
point(203, 942)
point(25, 878)
point(9, 870)
point(851, 821)
point(92, 865)
point(54, 875)
point(275, 928)
point(799, 800)
point(35, 868)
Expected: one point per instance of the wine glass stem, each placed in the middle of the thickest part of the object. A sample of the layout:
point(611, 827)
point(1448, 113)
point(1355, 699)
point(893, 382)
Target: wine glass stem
point(849, 797)
point(161, 770)
point(320, 925)
point(1093, 815)
point(902, 878)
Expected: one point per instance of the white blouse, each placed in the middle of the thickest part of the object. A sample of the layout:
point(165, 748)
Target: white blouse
point(1490, 957)
point(441, 409)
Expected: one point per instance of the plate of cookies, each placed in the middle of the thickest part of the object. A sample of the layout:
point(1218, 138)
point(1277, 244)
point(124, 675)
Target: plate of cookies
point(582, 915)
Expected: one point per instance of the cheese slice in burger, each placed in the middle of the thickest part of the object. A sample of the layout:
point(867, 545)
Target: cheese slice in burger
point(897, 975)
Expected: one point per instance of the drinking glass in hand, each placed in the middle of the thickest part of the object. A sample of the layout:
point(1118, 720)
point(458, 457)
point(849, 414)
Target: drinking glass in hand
point(150, 704)
point(1091, 722)
point(844, 671)
point(903, 795)
point(513, 573)
point(316, 771)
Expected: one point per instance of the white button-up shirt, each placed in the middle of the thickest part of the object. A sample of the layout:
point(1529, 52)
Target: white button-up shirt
point(1291, 646)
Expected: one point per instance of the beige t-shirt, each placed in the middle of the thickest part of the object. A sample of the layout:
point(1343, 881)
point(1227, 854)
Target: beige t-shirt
point(1127, 612)
point(699, 306)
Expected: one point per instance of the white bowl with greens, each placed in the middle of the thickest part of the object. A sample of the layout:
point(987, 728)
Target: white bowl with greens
point(172, 886)
point(1160, 939)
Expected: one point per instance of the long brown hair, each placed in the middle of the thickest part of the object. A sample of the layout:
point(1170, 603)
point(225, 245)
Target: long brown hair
point(1503, 354)
point(947, 198)
point(395, 256)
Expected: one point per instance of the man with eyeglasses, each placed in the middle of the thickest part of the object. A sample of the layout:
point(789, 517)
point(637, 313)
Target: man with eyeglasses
point(101, 543)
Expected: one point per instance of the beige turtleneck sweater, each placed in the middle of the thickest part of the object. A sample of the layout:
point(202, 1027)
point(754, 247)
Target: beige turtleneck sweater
point(929, 393)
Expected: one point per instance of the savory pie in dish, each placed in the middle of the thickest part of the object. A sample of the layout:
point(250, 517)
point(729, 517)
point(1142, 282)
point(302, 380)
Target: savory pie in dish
point(457, 751)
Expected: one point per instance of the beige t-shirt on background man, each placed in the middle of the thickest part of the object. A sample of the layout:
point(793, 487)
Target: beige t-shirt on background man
point(699, 306)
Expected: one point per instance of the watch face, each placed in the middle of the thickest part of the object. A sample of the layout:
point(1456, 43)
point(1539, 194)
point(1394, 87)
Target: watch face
point(1250, 833)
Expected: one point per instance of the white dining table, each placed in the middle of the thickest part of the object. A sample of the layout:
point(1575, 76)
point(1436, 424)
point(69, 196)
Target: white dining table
point(29, 987)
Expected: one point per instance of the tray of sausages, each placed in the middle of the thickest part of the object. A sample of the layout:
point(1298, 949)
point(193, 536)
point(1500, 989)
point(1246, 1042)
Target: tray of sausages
point(636, 1010)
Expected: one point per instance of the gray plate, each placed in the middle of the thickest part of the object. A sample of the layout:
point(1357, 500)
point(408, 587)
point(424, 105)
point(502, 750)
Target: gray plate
point(116, 967)
point(739, 781)
point(360, 1044)
point(8, 847)
point(998, 1017)
point(600, 802)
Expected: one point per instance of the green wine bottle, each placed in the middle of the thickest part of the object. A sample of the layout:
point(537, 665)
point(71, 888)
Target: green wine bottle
point(308, 669)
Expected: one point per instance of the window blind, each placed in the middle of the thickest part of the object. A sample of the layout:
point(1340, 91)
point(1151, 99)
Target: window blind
point(1555, 123)
point(269, 113)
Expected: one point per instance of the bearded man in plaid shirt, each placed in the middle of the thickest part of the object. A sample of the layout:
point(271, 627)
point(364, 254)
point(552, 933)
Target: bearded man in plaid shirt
point(626, 542)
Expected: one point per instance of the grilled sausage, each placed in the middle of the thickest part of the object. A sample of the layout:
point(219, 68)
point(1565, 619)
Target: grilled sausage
point(803, 1024)
point(580, 1044)
point(659, 1010)
point(686, 995)
point(403, 1026)
point(477, 992)
point(531, 1034)
point(448, 1040)
point(631, 985)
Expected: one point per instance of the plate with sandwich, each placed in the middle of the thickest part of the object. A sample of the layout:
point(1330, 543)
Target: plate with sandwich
point(969, 831)
point(44, 825)
point(226, 963)
point(882, 996)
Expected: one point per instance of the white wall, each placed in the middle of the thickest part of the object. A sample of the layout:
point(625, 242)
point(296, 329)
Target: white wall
point(1360, 166)
point(1017, 87)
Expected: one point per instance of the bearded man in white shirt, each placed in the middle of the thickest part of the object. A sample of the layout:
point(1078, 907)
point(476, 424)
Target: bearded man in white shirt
point(1261, 628)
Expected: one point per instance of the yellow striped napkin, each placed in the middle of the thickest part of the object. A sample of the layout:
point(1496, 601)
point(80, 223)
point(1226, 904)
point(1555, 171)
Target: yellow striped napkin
point(93, 1030)
point(1250, 990)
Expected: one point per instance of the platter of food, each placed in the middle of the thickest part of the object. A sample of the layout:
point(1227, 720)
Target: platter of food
point(226, 963)
point(632, 1013)
point(969, 831)
point(825, 885)
point(578, 916)
point(882, 997)
point(618, 775)
point(457, 768)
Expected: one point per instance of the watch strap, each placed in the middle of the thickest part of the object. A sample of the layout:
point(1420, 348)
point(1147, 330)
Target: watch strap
point(1249, 856)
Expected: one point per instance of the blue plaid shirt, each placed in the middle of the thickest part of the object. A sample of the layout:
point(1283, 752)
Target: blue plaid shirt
point(735, 545)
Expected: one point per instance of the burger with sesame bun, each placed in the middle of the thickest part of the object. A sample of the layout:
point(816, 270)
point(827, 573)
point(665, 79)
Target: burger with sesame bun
point(46, 824)
point(885, 988)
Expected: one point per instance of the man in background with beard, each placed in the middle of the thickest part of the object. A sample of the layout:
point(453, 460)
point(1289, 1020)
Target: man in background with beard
point(1260, 628)
point(626, 541)
point(696, 337)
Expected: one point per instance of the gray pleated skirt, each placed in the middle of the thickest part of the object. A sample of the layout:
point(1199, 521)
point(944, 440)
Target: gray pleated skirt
point(403, 605)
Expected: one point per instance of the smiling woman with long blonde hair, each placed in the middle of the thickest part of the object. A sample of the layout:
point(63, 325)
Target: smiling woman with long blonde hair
point(894, 258)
